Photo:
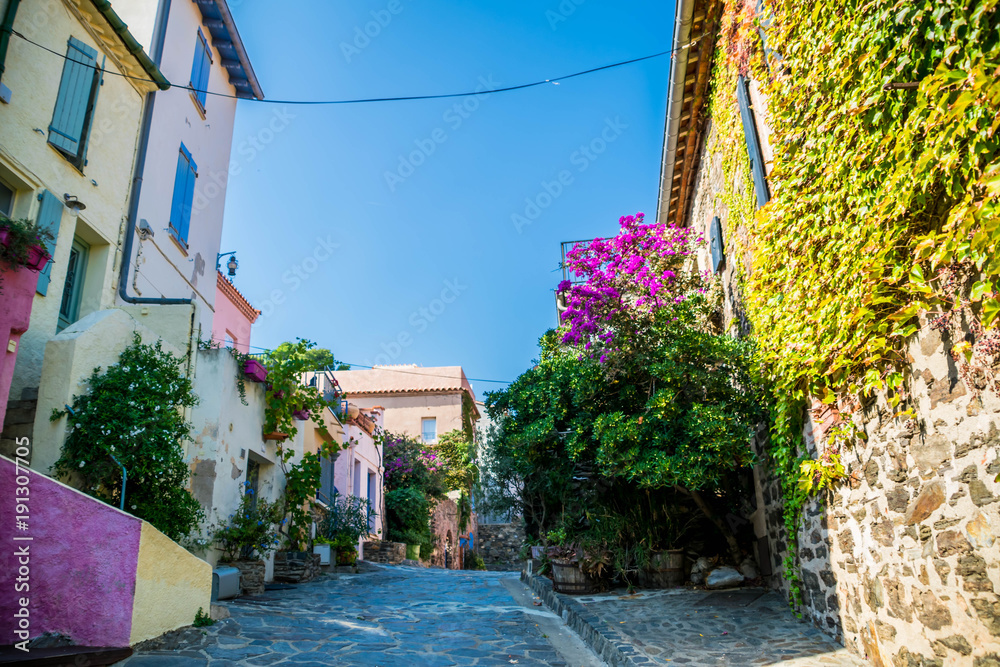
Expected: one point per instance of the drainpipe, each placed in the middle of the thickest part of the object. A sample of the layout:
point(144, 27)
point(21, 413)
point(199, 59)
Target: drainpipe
point(675, 102)
point(5, 30)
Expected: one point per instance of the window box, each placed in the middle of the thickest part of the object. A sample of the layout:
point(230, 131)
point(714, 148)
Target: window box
point(37, 258)
point(254, 370)
point(280, 437)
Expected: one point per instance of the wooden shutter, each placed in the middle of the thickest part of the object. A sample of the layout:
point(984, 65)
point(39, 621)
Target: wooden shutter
point(49, 219)
point(180, 208)
point(200, 68)
point(716, 244)
point(76, 88)
point(753, 142)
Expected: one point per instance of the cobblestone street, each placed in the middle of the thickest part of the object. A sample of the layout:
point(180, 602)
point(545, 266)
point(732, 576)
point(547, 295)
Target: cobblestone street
point(387, 617)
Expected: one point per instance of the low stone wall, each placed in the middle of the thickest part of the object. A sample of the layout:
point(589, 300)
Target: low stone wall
point(296, 567)
point(251, 576)
point(382, 551)
point(500, 545)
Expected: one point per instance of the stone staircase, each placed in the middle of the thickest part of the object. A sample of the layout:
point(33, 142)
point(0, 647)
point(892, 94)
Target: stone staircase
point(19, 421)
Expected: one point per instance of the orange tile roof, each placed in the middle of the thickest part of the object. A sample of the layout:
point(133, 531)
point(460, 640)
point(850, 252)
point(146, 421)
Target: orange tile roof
point(404, 379)
point(233, 294)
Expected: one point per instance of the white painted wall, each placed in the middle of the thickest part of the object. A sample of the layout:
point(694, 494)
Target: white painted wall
point(364, 455)
point(160, 267)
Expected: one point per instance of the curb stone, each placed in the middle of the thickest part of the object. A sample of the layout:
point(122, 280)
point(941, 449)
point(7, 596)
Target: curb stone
point(603, 642)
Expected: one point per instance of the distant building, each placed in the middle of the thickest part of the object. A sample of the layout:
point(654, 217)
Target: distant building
point(233, 316)
point(422, 403)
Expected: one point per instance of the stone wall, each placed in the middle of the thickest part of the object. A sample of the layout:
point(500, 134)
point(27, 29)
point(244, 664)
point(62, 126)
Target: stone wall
point(444, 528)
point(500, 545)
point(382, 551)
point(296, 567)
point(251, 576)
point(902, 561)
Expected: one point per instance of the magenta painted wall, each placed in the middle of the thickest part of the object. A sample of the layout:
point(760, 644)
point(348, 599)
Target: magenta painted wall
point(83, 558)
point(17, 289)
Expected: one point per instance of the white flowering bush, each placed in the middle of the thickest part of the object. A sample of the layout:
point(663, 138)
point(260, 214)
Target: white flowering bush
point(132, 417)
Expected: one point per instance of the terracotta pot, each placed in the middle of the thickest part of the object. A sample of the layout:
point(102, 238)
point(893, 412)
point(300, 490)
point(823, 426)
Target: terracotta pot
point(347, 555)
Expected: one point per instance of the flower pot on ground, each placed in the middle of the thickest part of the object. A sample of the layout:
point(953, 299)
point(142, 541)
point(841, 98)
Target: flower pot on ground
point(347, 555)
point(37, 258)
point(413, 552)
point(247, 538)
point(665, 569)
point(324, 550)
point(254, 370)
point(567, 577)
point(347, 520)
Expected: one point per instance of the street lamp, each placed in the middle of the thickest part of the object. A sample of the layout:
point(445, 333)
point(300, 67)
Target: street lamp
point(73, 204)
point(232, 264)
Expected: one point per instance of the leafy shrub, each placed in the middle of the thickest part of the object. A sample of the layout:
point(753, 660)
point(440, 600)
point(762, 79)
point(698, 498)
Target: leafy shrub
point(131, 417)
point(252, 529)
point(346, 520)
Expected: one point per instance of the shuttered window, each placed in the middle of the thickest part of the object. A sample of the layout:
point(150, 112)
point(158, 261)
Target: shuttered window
point(74, 110)
point(49, 218)
point(200, 68)
point(76, 269)
point(753, 142)
point(716, 245)
point(180, 208)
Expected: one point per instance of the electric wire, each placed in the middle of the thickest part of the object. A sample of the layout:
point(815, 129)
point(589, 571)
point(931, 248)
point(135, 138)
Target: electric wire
point(368, 100)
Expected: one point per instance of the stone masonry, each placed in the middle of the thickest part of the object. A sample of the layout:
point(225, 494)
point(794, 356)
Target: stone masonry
point(901, 562)
point(382, 551)
point(500, 545)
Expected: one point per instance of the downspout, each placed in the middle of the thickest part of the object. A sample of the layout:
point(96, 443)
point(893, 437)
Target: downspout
point(5, 30)
point(675, 102)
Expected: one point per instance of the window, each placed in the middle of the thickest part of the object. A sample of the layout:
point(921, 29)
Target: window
point(357, 479)
point(428, 429)
point(200, 68)
point(180, 207)
point(6, 200)
point(753, 141)
point(74, 111)
point(76, 269)
point(230, 340)
point(50, 212)
point(253, 481)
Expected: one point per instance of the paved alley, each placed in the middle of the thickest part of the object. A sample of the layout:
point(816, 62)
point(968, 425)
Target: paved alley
point(391, 616)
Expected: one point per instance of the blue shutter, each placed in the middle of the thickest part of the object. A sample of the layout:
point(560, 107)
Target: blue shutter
point(180, 208)
point(200, 68)
point(716, 244)
point(753, 142)
point(68, 126)
point(49, 218)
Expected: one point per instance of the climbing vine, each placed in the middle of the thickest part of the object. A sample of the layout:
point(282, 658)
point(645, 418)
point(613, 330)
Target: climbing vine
point(886, 201)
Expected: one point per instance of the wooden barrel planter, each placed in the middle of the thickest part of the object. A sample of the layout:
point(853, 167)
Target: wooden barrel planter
point(665, 569)
point(570, 579)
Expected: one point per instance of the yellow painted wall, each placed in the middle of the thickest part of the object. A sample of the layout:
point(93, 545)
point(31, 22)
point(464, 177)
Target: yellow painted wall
point(29, 164)
point(170, 586)
point(403, 414)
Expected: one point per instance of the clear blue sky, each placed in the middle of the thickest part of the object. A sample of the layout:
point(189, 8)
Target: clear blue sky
point(442, 222)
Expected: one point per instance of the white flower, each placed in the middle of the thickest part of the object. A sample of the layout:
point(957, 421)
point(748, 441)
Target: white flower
point(133, 506)
point(83, 463)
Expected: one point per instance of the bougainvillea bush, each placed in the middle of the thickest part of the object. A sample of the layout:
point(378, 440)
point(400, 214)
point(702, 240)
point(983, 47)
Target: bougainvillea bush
point(639, 391)
point(132, 417)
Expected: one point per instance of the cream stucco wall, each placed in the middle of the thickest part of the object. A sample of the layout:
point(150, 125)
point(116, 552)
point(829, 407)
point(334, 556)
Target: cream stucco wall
point(71, 357)
point(160, 266)
point(30, 165)
point(171, 586)
point(403, 414)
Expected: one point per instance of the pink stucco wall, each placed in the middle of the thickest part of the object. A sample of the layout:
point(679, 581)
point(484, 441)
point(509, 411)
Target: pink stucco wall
point(232, 315)
point(82, 560)
point(17, 288)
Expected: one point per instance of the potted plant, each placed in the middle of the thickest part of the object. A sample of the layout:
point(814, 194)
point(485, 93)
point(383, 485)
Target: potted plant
point(567, 574)
point(347, 519)
point(248, 537)
point(22, 243)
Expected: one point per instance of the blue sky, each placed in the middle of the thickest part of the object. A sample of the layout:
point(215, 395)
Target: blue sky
point(407, 232)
